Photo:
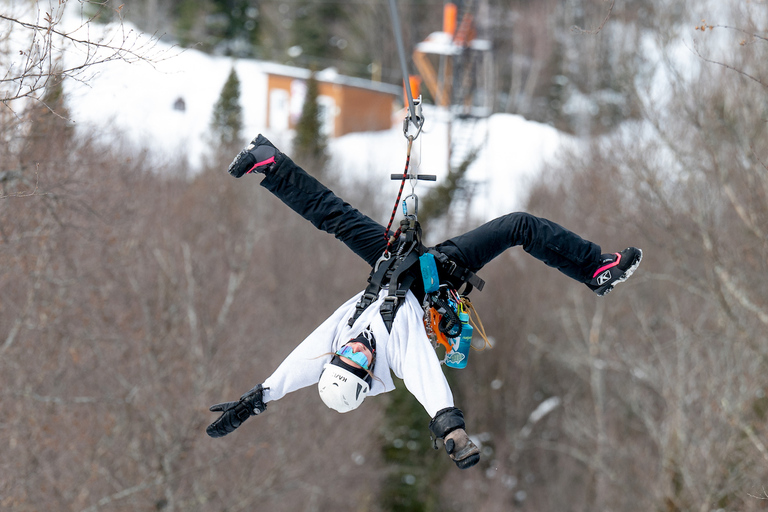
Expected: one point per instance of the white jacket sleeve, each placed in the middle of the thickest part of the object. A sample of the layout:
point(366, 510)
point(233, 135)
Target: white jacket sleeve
point(412, 357)
point(406, 351)
point(304, 365)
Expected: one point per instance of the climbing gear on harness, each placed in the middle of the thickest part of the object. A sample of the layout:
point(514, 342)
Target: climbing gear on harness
point(460, 344)
point(429, 272)
point(445, 303)
point(476, 323)
point(445, 323)
point(235, 413)
point(450, 318)
point(399, 272)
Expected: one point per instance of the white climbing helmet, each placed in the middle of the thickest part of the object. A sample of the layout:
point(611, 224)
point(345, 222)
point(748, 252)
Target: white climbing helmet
point(340, 388)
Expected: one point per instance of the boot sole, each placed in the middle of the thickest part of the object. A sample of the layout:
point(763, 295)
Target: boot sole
point(626, 275)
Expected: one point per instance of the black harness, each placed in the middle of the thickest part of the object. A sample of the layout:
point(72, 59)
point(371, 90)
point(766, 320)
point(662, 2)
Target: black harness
point(400, 271)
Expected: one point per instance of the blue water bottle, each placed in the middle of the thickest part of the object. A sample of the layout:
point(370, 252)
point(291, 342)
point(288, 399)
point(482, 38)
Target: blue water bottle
point(457, 357)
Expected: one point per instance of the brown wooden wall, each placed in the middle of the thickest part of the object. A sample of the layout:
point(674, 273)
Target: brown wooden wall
point(358, 109)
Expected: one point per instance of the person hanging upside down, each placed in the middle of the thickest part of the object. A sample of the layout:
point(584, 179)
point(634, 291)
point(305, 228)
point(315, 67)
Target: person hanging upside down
point(380, 331)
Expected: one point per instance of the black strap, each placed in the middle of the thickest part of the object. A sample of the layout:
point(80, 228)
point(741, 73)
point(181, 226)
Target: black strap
point(462, 274)
point(395, 270)
point(398, 288)
point(371, 293)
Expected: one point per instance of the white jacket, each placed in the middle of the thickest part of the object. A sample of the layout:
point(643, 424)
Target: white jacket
point(406, 351)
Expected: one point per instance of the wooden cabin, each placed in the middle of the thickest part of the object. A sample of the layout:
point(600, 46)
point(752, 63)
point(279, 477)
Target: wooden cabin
point(347, 104)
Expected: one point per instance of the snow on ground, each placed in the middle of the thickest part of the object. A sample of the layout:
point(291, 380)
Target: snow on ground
point(513, 151)
point(139, 99)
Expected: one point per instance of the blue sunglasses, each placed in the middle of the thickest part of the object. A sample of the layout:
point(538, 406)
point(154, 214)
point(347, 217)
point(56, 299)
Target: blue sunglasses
point(358, 357)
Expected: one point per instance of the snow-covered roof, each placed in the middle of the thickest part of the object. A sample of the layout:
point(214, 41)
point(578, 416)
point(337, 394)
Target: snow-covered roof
point(441, 43)
point(330, 75)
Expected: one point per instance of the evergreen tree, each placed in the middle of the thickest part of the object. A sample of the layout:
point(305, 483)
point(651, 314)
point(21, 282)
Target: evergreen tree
point(187, 14)
point(228, 114)
point(48, 121)
point(228, 27)
point(437, 202)
point(310, 144)
point(54, 114)
point(242, 20)
point(313, 29)
point(415, 469)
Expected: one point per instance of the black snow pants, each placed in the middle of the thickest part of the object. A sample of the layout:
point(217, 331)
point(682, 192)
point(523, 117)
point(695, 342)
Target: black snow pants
point(544, 240)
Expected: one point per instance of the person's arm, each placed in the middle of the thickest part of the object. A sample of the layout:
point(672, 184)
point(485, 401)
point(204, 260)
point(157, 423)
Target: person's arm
point(301, 368)
point(305, 363)
point(424, 378)
point(414, 360)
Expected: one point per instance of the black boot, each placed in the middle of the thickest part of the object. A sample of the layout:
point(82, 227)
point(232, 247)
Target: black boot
point(614, 269)
point(259, 156)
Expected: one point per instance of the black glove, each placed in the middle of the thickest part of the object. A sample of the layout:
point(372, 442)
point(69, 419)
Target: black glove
point(448, 425)
point(461, 449)
point(235, 413)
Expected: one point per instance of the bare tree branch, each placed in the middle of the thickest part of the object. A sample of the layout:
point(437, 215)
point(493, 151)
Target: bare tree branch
point(708, 60)
point(600, 27)
point(46, 43)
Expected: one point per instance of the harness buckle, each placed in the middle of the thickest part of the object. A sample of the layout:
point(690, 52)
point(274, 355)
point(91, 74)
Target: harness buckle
point(389, 304)
point(387, 311)
point(242, 412)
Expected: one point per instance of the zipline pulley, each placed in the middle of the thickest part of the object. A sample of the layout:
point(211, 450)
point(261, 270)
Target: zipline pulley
point(415, 116)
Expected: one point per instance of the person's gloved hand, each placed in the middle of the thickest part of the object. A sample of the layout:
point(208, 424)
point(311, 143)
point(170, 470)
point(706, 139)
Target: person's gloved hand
point(448, 425)
point(461, 449)
point(235, 413)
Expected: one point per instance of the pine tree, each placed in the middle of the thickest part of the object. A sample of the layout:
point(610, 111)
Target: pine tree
point(310, 144)
point(314, 26)
point(437, 202)
point(48, 121)
point(227, 119)
point(415, 469)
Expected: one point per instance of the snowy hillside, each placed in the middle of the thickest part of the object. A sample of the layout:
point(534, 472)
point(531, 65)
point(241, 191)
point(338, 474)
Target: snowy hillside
point(142, 101)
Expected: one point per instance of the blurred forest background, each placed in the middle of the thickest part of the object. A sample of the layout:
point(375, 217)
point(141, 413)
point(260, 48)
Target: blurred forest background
point(134, 296)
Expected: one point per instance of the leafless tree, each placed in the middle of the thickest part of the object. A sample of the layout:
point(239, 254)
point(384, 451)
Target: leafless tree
point(41, 45)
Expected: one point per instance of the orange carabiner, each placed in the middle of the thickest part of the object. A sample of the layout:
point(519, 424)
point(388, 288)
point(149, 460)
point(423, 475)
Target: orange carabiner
point(434, 322)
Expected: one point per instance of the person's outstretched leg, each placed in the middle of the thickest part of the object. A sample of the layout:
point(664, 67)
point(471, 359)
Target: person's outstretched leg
point(311, 199)
point(548, 242)
point(543, 239)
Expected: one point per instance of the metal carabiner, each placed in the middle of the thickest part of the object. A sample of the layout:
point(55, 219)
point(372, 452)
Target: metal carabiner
point(414, 117)
point(384, 257)
point(415, 213)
